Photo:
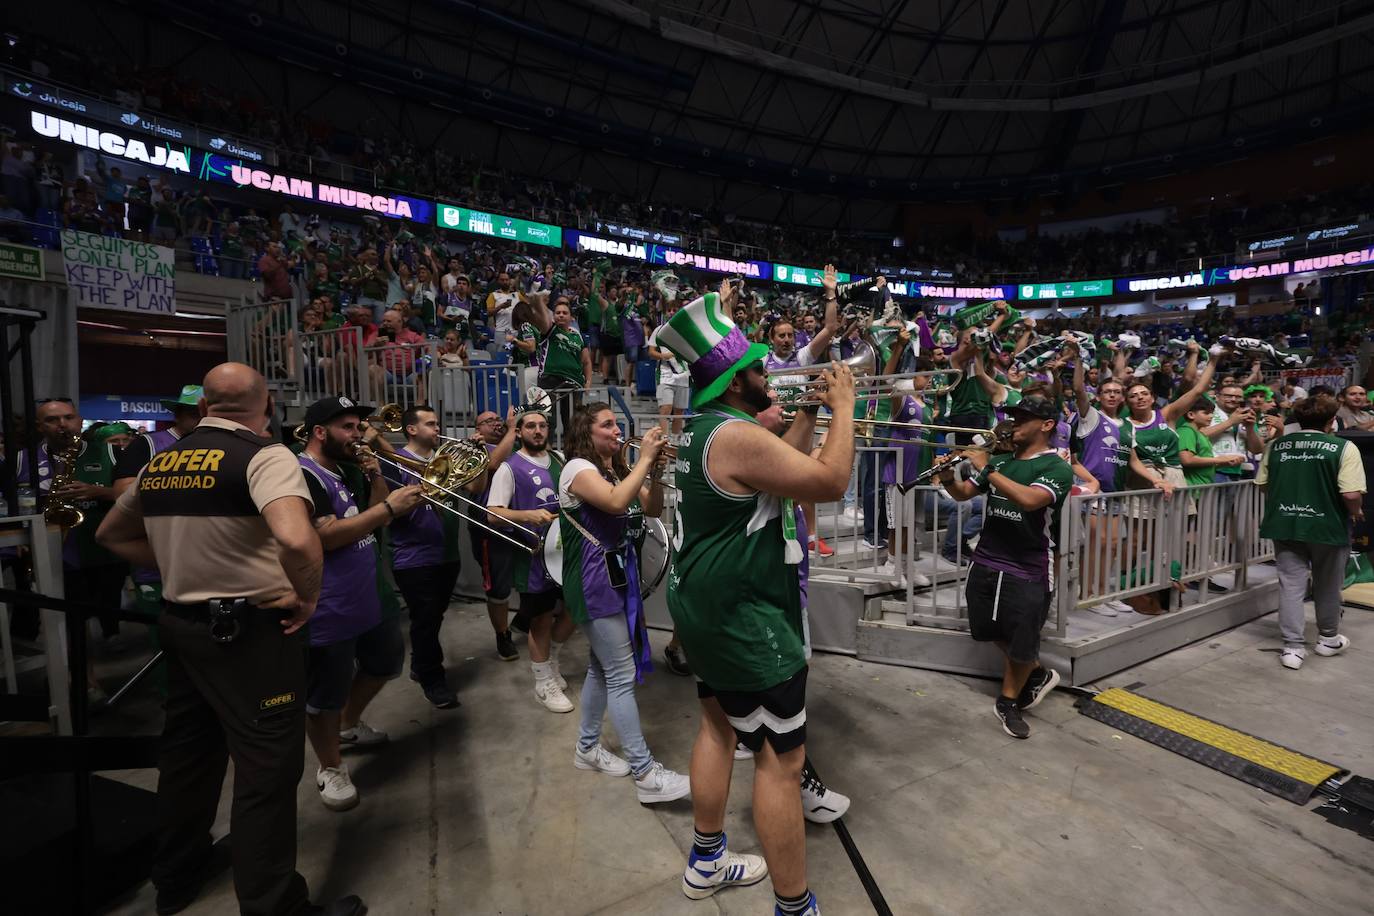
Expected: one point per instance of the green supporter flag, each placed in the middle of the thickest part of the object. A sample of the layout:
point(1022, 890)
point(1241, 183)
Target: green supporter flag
point(971, 315)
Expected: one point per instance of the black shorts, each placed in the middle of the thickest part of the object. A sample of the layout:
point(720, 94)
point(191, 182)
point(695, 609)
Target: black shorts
point(494, 556)
point(379, 652)
point(1007, 609)
point(533, 604)
point(777, 715)
point(612, 346)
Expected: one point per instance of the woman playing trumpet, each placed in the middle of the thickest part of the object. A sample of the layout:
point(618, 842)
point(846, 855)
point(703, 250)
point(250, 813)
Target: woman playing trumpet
point(596, 495)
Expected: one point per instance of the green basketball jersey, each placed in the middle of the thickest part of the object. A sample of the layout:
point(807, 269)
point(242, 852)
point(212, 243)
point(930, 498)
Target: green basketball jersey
point(1302, 499)
point(94, 465)
point(1157, 442)
point(735, 602)
point(968, 397)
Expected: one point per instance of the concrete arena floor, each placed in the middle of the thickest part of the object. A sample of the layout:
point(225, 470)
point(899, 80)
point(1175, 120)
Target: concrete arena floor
point(479, 810)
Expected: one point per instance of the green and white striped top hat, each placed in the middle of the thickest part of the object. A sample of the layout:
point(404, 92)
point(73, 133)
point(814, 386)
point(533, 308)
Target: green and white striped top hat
point(704, 337)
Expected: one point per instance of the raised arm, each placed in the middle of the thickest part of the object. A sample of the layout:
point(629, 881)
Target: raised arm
point(747, 457)
point(596, 491)
point(1179, 405)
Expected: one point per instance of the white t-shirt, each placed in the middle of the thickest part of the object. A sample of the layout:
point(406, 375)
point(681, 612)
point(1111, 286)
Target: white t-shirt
point(671, 371)
point(503, 480)
point(501, 323)
point(1231, 442)
point(567, 476)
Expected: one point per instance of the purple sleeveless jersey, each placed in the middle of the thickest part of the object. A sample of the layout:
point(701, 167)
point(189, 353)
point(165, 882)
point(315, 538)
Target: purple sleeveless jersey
point(1102, 453)
point(349, 601)
point(535, 488)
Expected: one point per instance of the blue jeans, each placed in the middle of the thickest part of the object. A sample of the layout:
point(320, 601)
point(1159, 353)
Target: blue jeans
point(871, 501)
point(970, 519)
point(611, 682)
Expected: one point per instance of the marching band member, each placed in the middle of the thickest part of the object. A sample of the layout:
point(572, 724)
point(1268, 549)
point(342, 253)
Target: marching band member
point(354, 648)
point(601, 588)
point(1011, 580)
point(425, 560)
point(524, 490)
point(734, 593)
point(785, 353)
point(492, 553)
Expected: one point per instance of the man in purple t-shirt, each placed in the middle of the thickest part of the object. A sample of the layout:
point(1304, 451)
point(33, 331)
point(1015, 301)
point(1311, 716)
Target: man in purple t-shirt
point(424, 574)
point(354, 650)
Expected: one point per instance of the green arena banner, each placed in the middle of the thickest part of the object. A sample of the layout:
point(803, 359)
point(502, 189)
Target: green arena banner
point(20, 261)
point(1077, 289)
point(804, 276)
point(447, 216)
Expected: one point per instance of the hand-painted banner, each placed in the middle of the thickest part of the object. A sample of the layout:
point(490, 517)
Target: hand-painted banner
point(112, 273)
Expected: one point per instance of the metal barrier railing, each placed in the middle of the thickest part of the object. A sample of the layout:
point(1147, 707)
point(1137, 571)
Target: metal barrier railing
point(1112, 546)
point(263, 335)
point(399, 373)
point(332, 364)
point(1115, 546)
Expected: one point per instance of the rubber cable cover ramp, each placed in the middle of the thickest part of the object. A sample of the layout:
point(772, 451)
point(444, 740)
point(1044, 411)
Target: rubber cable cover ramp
point(1276, 769)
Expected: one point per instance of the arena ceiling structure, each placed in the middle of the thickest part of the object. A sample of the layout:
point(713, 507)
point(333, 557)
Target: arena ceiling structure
point(826, 112)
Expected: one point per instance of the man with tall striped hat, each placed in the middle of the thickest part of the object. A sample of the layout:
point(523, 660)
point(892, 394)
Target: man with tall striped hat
point(734, 594)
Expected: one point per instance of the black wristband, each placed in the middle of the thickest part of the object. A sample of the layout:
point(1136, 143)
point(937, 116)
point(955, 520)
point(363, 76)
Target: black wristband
point(389, 511)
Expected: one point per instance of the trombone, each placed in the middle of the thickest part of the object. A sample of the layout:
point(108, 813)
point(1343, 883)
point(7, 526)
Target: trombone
point(669, 451)
point(453, 466)
point(808, 390)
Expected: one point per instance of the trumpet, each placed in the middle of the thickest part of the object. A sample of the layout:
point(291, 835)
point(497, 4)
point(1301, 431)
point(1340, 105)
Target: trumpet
point(669, 451)
point(452, 467)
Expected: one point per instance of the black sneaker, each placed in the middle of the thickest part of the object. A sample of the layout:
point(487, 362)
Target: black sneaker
point(441, 695)
point(677, 662)
point(957, 559)
point(1012, 723)
point(505, 648)
point(1041, 681)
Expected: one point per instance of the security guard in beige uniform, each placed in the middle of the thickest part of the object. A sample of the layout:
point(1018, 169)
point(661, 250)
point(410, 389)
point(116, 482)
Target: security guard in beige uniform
point(224, 514)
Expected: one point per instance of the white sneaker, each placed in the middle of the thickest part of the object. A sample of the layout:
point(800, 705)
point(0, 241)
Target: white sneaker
point(742, 752)
point(336, 788)
point(1103, 610)
point(1292, 657)
point(363, 735)
point(704, 877)
point(557, 673)
point(1119, 606)
point(552, 696)
point(819, 804)
point(1332, 645)
point(600, 760)
point(661, 784)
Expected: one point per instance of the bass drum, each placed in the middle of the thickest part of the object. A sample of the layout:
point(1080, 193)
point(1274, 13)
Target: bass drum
point(654, 552)
point(553, 552)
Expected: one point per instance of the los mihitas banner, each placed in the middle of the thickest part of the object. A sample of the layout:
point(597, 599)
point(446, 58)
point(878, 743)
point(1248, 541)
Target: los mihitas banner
point(110, 273)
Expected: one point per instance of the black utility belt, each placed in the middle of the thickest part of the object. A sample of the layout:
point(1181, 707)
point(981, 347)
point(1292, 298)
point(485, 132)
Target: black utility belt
point(224, 615)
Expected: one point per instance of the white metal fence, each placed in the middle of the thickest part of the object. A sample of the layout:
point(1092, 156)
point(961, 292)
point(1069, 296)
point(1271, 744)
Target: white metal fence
point(263, 335)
